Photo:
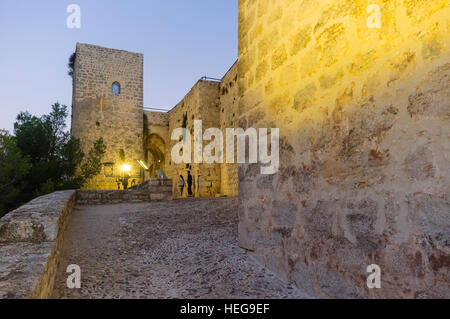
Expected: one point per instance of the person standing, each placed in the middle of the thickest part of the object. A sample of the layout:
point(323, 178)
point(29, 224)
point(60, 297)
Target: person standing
point(181, 185)
point(189, 181)
point(125, 181)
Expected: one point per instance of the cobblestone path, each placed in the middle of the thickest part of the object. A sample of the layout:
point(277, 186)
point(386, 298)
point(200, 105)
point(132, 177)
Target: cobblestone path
point(178, 249)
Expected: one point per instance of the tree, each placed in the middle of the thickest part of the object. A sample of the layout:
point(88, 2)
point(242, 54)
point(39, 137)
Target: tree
point(122, 155)
point(93, 164)
point(71, 64)
point(54, 154)
point(13, 168)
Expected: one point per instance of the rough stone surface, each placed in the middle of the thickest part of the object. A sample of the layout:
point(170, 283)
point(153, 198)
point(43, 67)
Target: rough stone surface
point(184, 248)
point(31, 238)
point(364, 144)
point(37, 221)
point(97, 112)
point(21, 266)
point(201, 103)
point(229, 118)
point(151, 190)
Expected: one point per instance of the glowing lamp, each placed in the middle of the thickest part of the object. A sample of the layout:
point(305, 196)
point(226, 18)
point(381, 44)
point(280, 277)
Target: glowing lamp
point(126, 168)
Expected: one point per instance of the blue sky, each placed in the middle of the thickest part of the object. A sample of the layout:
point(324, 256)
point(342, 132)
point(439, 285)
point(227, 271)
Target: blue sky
point(181, 41)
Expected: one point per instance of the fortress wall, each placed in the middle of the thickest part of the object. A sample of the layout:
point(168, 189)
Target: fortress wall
point(158, 125)
point(157, 118)
point(97, 112)
point(189, 106)
point(229, 116)
point(150, 190)
point(216, 105)
point(364, 123)
point(201, 103)
point(204, 102)
point(209, 113)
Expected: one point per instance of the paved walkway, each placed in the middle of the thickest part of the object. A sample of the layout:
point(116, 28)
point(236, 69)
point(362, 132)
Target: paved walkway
point(178, 249)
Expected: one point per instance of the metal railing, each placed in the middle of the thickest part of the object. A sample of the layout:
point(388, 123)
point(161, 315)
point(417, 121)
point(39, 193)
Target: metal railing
point(205, 78)
point(155, 109)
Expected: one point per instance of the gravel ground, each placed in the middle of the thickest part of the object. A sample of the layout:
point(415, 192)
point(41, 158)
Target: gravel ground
point(179, 249)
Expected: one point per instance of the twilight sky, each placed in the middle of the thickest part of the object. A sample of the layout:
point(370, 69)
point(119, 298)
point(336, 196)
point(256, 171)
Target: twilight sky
point(182, 40)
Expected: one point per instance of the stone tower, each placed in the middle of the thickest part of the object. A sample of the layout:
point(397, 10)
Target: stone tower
point(108, 102)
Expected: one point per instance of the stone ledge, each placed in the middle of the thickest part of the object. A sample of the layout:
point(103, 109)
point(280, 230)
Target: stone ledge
point(31, 238)
point(36, 221)
point(154, 182)
point(152, 190)
point(21, 267)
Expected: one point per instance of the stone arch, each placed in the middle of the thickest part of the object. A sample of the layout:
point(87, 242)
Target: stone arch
point(156, 148)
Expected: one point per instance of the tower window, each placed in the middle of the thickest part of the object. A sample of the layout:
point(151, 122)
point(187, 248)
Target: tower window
point(116, 88)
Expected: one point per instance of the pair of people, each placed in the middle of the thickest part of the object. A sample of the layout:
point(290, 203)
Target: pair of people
point(124, 182)
point(182, 183)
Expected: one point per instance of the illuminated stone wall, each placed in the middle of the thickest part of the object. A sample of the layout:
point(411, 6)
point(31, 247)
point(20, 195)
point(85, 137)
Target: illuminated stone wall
point(229, 118)
point(97, 112)
point(215, 104)
point(201, 103)
point(157, 141)
point(364, 121)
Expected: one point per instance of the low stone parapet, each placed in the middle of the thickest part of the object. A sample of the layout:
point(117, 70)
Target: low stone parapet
point(155, 185)
point(31, 239)
point(152, 190)
point(32, 236)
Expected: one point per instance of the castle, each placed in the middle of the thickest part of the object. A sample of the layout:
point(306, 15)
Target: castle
point(363, 111)
point(108, 103)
